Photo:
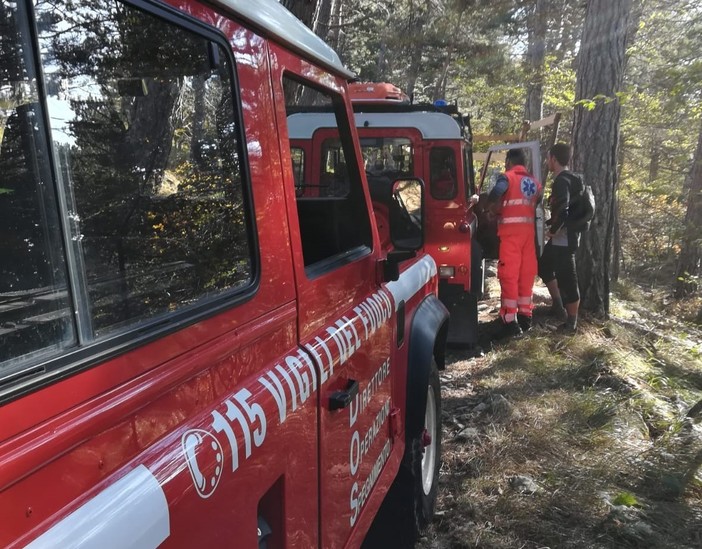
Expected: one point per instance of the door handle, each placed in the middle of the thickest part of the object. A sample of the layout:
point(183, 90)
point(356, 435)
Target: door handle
point(341, 399)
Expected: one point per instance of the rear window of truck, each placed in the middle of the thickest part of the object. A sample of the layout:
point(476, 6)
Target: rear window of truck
point(442, 170)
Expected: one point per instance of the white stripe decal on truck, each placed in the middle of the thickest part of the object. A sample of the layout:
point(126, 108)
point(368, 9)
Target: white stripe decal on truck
point(412, 280)
point(133, 512)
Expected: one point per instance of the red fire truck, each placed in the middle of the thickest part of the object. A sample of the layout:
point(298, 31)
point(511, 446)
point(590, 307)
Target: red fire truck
point(400, 139)
point(192, 354)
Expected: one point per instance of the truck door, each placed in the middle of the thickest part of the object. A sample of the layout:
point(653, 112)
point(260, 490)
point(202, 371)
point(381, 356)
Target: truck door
point(345, 317)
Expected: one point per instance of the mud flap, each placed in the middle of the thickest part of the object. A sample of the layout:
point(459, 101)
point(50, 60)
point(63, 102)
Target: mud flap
point(463, 307)
point(477, 270)
point(427, 334)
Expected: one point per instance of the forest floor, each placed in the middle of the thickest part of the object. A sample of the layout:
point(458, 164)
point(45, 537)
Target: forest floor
point(584, 441)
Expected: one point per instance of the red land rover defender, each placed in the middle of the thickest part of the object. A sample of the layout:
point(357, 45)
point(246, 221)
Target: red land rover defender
point(399, 139)
point(191, 354)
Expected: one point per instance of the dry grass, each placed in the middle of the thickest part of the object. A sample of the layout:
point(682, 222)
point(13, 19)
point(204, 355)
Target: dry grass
point(597, 421)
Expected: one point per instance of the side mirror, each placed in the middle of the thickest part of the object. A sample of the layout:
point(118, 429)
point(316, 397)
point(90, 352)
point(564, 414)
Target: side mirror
point(407, 214)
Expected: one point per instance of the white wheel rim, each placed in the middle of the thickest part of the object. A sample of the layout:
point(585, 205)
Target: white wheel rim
point(429, 457)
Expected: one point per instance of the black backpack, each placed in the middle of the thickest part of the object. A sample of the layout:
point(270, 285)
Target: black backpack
point(581, 209)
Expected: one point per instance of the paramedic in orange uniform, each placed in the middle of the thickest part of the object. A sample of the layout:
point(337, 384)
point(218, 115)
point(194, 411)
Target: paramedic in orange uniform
point(515, 196)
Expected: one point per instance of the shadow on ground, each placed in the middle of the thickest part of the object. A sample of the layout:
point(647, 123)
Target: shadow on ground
point(556, 441)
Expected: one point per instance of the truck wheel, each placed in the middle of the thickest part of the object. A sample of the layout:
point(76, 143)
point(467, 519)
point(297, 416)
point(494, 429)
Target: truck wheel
point(426, 453)
point(409, 506)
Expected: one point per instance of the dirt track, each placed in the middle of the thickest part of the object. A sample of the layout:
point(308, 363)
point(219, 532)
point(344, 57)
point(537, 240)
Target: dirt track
point(556, 441)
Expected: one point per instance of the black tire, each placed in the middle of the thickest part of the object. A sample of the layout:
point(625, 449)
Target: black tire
point(409, 506)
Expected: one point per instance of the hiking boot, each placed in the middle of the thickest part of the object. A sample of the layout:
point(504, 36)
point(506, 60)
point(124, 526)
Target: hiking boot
point(524, 322)
point(570, 326)
point(510, 329)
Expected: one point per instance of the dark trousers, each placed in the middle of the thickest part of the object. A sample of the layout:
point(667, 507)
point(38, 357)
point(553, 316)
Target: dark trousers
point(558, 262)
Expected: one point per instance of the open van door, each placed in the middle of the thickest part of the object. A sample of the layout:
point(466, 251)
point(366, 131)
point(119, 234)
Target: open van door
point(492, 164)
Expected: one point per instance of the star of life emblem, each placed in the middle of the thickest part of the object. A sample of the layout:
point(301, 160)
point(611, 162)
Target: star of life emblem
point(528, 187)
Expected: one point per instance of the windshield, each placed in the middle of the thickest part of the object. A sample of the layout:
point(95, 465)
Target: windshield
point(389, 157)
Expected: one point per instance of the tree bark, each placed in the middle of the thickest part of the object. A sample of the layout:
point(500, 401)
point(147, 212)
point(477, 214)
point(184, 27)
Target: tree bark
point(443, 76)
point(415, 34)
point(339, 43)
point(322, 18)
point(198, 118)
point(596, 138)
point(616, 239)
point(536, 57)
point(617, 254)
point(691, 249)
point(655, 162)
point(381, 64)
point(302, 9)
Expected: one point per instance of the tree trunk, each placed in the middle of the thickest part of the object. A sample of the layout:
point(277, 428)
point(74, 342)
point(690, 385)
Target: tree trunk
point(617, 233)
point(596, 138)
point(655, 162)
point(323, 27)
point(302, 9)
point(536, 57)
point(616, 240)
point(196, 139)
point(322, 18)
point(336, 19)
point(415, 32)
point(381, 63)
point(443, 77)
point(340, 11)
point(691, 249)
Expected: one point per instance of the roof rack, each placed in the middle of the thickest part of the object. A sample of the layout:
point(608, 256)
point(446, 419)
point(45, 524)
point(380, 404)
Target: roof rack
point(402, 107)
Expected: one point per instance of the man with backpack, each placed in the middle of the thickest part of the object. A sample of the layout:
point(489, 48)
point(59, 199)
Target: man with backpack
point(572, 208)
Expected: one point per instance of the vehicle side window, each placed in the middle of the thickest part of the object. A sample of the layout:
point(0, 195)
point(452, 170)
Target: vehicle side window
point(469, 172)
point(390, 156)
point(334, 221)
point(145, 132)
point(298, 162)
point(333, 171)
point(442, 170)
point(35, 313)
point(386, 159)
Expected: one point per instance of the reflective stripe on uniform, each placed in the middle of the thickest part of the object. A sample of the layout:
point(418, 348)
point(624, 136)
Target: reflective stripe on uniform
point(508, 317)
point(509, 303)
point(524, 305)
point(517, 202)
point(507, 220)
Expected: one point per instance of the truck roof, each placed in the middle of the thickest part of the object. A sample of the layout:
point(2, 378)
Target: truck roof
point(432, 125)
point(275, 21)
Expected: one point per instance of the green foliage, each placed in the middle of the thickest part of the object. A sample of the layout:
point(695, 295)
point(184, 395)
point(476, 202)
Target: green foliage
point(431, 48)
point(153, 163)
point(663, 109)
point(474, 52)
point(627, 499)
